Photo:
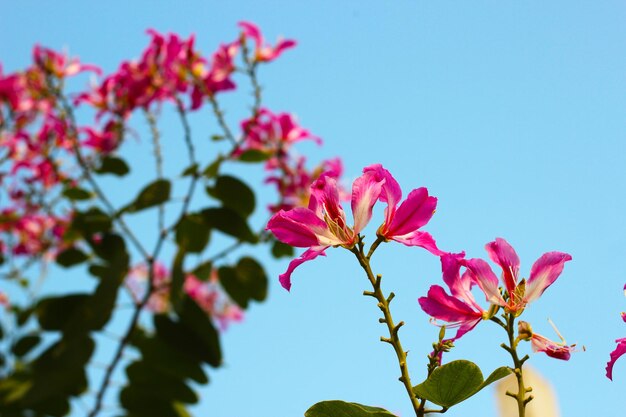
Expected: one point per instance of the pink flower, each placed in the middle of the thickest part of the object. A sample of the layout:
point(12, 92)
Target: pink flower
point(136, 282)
point(4, 300)
point(540, 343)
point(293, 182)
point(217, 78)
point(264, 52)
point(619, 351)
point(402, 223)
point(542, 274)
point(273, 133)
point(459, 309)
point(58, 65)
point(212, 300)
point(323, 223)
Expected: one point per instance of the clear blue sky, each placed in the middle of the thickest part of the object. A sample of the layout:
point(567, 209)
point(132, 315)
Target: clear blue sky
point(512, 113)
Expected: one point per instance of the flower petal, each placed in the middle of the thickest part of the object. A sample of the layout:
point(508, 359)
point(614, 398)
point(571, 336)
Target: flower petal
point(413, 213)
point(543, 273)
point(390, 193)
point(308, 255)
point(460, 287)
point(296, 227)
point(444, 307)
point(615, 355)
point(365, 191)
point(550, 348)
point(504, 255)
point(482, 274)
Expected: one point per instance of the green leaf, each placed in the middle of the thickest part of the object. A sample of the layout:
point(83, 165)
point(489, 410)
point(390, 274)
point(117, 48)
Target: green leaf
point(254, 155)
point(179, 336)
point(455, 382)
point(213, 168)
point(70, 257)
point(54, 313)
point(280, 250)
point(113, 165)
point(247, 281)
point(192, 233)
point(203, 271)
point(191, 170)
point(153, 382)
point(90, 222)
point(140, 403)
point(234, 194)
point(25, 345)
point(153, 194)
point(77, 194)
point(338, 408)
point(230, 222)
point(199, 322)
point(168, 359)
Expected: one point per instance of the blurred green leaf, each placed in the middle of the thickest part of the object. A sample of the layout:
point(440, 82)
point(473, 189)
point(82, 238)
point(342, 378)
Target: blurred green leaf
point(70, 257)
point(203, 271)
point(192, 233)
point(191, 170)
point(246, 281)
point(199, 322)
point(167, 358)
point(163, 386)
point(336, 408)
point(77, 194)
point(90, 222)
point(234, 194)
point(213, 168)
point(230, 222)
point(113, 165)
point(282, 250)
point(25, 344)
point(153, 194)
point(254, 155)
point(455, 382)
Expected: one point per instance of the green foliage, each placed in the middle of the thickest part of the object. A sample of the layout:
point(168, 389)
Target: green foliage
point(234, 194)
point(230, 222)
point(282, 250)
point(455, 382)
point(338, 408)
point(192, 233)
point(25, 344)
point(153, 194)
point(70, 257)
point(254, 155)
point(77, 194)
point(87, 223)
point(244, 282)
point(113, 165)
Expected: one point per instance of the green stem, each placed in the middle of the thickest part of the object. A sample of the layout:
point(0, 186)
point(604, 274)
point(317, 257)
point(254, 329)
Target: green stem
point(393, 339)
point(518, 363)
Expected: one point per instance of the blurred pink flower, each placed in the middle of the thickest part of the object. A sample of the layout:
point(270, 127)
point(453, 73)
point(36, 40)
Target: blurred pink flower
point(264, 52)
point(619, 351)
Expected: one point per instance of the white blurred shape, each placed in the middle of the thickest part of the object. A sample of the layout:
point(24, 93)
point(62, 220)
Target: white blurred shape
point(544, 403)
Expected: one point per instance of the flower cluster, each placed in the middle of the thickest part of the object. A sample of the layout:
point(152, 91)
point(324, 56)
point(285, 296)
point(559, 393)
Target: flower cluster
point(619, 351)
point(460, 309)
point(323, 223)
point(36, 146)
point(207, 294)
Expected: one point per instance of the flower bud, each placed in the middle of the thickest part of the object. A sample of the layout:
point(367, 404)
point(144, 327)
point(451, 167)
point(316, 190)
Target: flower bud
point(524, 330)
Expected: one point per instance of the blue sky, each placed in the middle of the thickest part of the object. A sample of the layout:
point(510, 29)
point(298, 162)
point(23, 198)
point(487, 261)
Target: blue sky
point(511, 113)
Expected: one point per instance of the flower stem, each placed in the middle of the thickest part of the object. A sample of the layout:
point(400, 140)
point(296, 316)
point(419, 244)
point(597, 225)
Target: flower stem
point(393, 339)
point(518, 363)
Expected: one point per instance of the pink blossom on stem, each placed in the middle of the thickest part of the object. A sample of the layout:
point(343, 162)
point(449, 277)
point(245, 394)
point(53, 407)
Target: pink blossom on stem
point(542, 274)
point(264, 52)
point(539, 343)
point(293, 182)
point(619, 351)
point(402, 223)
point(272, 133)
point(459, 309)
